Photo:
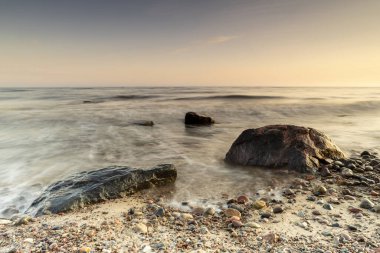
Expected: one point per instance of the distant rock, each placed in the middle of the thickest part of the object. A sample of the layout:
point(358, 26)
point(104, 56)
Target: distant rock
point(283, 146)
point(192, 118)
point(143, 123)
point(99, 185)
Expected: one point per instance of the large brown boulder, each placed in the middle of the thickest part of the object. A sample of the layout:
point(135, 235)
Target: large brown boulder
point(283, 146)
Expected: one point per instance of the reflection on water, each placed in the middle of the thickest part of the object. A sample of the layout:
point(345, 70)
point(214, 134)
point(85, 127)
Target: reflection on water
point(47, 134)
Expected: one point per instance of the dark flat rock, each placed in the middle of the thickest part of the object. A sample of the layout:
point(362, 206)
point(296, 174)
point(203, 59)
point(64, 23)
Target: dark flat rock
point(99, 185)
point(283, 146)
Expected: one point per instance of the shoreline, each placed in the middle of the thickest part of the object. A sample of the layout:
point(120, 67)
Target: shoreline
point(315, 214)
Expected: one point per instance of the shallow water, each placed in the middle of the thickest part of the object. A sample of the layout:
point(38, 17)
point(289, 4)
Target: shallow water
point(48, 134)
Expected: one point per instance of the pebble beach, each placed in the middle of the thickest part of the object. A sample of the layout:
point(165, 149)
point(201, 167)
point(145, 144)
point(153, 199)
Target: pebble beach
point(335, 210)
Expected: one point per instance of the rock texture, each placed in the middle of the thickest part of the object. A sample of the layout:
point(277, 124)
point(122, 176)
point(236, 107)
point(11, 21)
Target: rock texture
point(283, 146)
point(95, 186)
point(192, 118)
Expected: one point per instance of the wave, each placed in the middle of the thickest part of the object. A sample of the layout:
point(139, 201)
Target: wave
point(127, 97)
point(231, 97)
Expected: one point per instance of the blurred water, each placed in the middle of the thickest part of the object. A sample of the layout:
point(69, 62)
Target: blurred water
point(47, 134)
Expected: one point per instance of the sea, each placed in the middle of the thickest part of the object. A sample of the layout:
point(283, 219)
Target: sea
point(48, 134)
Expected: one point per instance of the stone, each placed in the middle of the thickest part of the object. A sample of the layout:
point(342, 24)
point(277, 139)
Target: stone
point(242, 199)
point(84, 250)
point(29, 240)
point(319, 190)
point(271, 238)
point(266, 215)
point(311, 198)
point(198, 211)
point(376, 208)
point(23, 220)
point(192, 118)
point(141, 228)
point(90, 187)
point(328, 207)
point(209, 211)
point(278, 209)
point(252, 225)
point(237, 224)
point(283, 146)
point(259, 204)
point(367, 204)
point(365, 153)
point(187, 216)
point(144, 123)
point(160, 212)
point(229, 212)
point(316, 212)
point(325, 172)
point(347, 172)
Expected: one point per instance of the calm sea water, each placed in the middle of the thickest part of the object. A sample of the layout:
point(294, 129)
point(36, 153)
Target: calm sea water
point(48, 134)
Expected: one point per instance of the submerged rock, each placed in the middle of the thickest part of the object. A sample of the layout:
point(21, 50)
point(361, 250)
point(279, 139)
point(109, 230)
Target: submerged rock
point(144, 123)
point(95, 186)
point(283, 146)
point(192, 118)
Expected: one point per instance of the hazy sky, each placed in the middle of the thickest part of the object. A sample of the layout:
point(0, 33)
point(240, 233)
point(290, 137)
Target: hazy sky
point(174, 42)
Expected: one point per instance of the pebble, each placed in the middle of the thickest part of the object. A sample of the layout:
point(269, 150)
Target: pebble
point(29, 240)
point(325, 172)
point(252, 225)
point(348, 197)
point(328, 207)
point(141, 228)
point(259, 204)
point(242, 199)
point(316, 212)
point(345, 237)
point(278, 209)
point(347, 172)
point(160, 212)
point(198, 211)
point(320, 190)
point(339, 163)
point(203, 230)
point(187, 216)
point(289, 192)
point(229, 212)
point(367, 204)
point(84, 250)
point(266, 215)
point(311, 198)
point(237, 224)
point(376, 208)
point(209, 211)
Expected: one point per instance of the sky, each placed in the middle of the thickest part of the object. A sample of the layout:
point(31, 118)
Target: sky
point(177, 42)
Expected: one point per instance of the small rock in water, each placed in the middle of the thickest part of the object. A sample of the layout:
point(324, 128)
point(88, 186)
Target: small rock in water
point(229, 212)
point(365, 152)
point(367, 204)
point(141, 228)
point(259, 204)
point(242, 199)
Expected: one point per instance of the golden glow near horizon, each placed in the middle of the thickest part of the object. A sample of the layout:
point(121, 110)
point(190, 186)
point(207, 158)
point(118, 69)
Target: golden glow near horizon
point(331, 43)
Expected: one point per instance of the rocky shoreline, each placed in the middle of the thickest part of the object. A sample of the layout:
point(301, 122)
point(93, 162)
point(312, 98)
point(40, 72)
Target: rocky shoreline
point(335, 210)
